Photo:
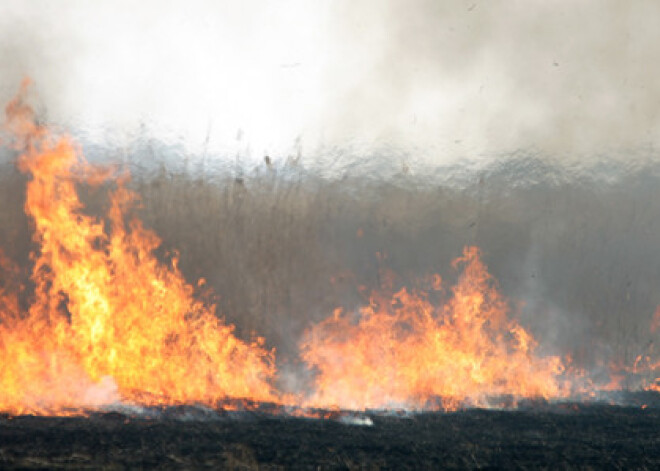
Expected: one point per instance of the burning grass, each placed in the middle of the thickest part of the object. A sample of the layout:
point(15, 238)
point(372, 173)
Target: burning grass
point(107, 316)
point(108, 321)
point(409, 352)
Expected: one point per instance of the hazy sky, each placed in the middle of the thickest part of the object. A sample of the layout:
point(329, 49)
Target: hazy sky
point(455, 79)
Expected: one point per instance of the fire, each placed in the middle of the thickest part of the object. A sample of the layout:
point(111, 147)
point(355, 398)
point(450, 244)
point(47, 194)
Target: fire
point(405, 351)
point(644, 372)
point(655, 323)
point(649, 362)
point(108, 320)
point(103, 320)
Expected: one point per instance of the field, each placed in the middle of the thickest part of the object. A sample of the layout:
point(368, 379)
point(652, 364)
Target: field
point(568, 436)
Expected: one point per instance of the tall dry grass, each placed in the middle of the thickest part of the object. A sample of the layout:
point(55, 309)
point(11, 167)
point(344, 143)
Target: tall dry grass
point(281, 248)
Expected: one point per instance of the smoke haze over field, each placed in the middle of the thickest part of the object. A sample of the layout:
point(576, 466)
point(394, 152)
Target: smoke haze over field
point(442, 80)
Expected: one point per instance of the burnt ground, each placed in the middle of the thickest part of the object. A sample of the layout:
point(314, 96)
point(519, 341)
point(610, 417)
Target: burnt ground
point(565, 436)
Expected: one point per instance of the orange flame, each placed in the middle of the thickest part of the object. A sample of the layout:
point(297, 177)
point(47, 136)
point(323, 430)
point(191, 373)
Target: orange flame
point(404, 351)
point(644, 373)
point(655, 323)
point(652, 358)
point(108, 320)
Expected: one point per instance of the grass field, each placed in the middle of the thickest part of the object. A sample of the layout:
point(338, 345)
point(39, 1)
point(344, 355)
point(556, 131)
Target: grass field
point(281, 247)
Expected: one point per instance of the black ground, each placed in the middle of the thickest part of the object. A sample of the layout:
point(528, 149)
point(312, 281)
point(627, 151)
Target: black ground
point(565, 436)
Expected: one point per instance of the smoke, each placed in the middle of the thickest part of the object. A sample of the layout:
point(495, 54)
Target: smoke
point(444, 80)
point(484, 77)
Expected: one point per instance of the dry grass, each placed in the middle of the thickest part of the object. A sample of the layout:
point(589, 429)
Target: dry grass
point(282, 251)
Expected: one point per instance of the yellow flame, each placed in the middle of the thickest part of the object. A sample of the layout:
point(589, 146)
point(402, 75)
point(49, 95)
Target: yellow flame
point(105, 310)
point(404, 351)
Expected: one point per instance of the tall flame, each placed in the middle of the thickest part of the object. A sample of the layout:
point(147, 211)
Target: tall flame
point(405, 351)
point(108, 320)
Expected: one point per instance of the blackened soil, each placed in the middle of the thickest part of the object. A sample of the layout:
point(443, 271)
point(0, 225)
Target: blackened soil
point(563, 437)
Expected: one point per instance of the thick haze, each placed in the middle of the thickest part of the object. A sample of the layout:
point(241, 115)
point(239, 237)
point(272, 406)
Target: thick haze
point(446, 80)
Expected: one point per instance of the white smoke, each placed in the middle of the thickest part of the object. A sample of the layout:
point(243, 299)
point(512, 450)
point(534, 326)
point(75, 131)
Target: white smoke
point(454, 78)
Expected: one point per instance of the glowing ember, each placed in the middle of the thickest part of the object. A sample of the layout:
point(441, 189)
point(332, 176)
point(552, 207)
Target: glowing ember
point(404, 351)
point(108, 320)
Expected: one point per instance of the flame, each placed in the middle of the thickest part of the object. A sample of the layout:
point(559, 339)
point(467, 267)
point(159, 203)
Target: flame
point(648, 364)
point(655, 323)
point(103, 320)
point(108, 320)
point(405, 351)
point(644, 372)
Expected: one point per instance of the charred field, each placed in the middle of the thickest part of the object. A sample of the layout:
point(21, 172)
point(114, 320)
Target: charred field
point(539, 436)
